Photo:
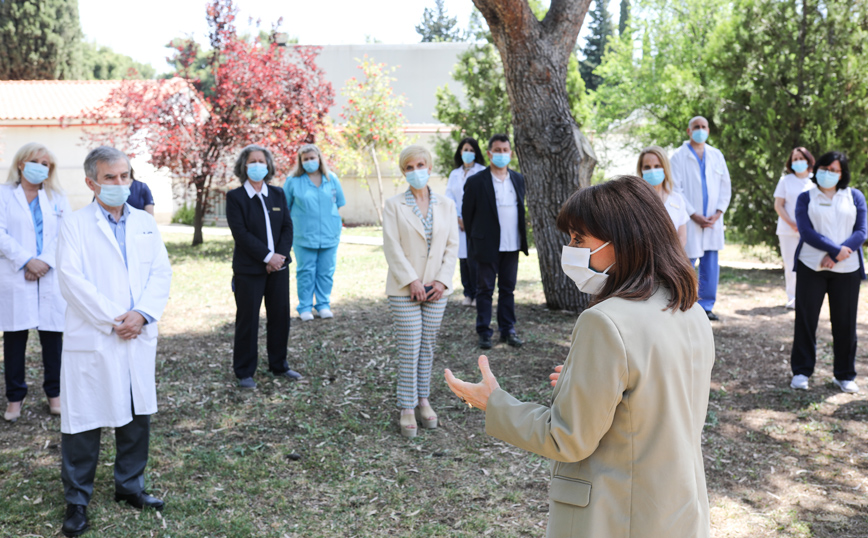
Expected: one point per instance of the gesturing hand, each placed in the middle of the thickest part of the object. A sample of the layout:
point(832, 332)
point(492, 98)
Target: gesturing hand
point(474, 394)
point(555, 376)
point(130, 325)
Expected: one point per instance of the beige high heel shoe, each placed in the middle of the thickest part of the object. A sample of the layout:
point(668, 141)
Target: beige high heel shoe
point(54, 405)
point(408, 425)
point(426, 416)
point(13, 411)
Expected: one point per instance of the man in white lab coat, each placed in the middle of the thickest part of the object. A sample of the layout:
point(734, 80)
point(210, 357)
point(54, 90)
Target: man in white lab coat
point(114, 273)
point(701, 177)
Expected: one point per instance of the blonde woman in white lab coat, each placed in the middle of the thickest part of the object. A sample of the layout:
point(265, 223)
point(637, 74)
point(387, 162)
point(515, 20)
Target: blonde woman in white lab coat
point(32, 207)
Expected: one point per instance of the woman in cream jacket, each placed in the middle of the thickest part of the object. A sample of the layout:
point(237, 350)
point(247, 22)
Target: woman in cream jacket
point(420, 241)
point(625, 423)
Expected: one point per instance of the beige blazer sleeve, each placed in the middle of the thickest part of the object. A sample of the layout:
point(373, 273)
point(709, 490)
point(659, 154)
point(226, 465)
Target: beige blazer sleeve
point(589, 389)
point(399, 265)
point(449, 220)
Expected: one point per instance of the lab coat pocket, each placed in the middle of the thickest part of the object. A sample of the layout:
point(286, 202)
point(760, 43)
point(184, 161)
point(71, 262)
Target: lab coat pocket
point(83, 337)
point(570, 491)
point(144, 244)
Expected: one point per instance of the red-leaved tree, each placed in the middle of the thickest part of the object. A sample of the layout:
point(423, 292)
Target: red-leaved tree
point(258, 94)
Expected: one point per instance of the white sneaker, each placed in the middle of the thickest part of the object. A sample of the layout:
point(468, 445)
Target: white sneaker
point(466, 301)
point(800, 382)
point(791, 304)
point(306, 316)
point(325, 313)
point(847, 386)
point(473, 302)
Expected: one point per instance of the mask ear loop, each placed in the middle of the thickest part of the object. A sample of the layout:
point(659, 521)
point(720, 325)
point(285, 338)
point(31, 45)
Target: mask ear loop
point(600, 248)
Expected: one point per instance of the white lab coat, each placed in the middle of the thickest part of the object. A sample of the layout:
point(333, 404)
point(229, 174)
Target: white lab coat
point(29, 305)
point(99, 370)
point(688, 183)
point(455, 192)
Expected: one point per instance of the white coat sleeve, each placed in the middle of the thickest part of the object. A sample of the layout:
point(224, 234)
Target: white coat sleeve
point(725, 195)
point(80, 294)
point(10, 248)
point(61, 207)
point(452, 190)
point(156, 292)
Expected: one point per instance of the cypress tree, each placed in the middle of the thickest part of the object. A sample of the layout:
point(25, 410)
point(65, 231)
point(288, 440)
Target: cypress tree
point(39, 40)
point(601, 30)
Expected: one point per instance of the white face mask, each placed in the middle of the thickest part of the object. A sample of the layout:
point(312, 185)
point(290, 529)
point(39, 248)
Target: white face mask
point(576, 264)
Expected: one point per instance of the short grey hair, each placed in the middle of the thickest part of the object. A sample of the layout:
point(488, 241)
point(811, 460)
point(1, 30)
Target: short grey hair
point(102, 154)
point(240, 169)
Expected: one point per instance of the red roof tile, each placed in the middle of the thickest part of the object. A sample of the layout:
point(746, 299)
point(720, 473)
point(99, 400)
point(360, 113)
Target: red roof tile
point(51, 99)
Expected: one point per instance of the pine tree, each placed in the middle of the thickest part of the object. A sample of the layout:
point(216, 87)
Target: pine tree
point(624, 18)
point(437, 25)
point(39, 40)
point(601, 31)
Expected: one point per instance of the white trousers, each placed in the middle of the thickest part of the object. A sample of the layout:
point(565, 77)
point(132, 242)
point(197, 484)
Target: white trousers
point(788, 253)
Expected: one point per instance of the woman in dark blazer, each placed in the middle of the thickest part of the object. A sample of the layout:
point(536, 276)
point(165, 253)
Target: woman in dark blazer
point(262, 229)
point(828, 261)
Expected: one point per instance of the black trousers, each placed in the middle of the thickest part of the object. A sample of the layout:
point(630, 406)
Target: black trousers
point(14, 351)
point(249, 292)
point(468, 277)
point(80, 453)
point(505, 272)
point(843, 290)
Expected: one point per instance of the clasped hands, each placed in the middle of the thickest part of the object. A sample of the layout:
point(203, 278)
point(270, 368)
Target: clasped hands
point(130, 325)
point(275, 263)
point(828, 263)
point(35, 269)
point(417, 291)
point(706, 222)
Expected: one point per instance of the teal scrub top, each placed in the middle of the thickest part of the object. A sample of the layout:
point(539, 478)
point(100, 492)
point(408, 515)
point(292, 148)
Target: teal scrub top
point(316, 222)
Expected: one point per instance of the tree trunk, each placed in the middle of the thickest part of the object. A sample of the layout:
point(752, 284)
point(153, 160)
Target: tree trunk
point(381, 205)
point(203, 189)
point(556, 158)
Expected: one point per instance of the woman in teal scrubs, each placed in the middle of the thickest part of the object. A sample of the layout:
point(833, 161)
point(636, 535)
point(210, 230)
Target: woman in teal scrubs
point(314, 194)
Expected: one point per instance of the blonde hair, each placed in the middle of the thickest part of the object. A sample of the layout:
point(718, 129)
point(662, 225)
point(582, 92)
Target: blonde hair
point(412, 152)
point(299, 170)
point(664, 160)
point(31, 151)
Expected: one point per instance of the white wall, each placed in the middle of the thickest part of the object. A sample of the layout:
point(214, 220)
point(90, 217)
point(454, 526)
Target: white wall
point(67, 146)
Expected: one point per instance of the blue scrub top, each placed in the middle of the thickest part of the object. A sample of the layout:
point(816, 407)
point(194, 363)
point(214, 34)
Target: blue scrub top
point(140, 195)
point(316, 222)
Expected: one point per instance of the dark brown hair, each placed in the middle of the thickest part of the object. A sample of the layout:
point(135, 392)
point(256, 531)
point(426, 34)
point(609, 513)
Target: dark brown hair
point(627, 212)
point(805, 153)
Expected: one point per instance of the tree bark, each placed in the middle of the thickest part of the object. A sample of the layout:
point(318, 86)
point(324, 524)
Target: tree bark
point(556, 158)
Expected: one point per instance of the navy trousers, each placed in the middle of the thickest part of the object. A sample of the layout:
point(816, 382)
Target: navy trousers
point(14, 351)
point(468, 277)
point(249, 292)
point(505, 272)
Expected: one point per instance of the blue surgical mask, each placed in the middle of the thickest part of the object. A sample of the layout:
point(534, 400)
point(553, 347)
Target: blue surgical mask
point(799, 166)
point(500, 160)
point(114, 195)
point(417, 178)
point(468, 157)
point(310, 166)
point(35, 173)
point(654, 177)
point(827, 179)
point(699, 136)
point(257, 171)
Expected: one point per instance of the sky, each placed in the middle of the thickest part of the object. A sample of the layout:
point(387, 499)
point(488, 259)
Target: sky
point(142, 33)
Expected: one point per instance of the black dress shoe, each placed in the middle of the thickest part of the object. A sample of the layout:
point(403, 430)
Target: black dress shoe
point(484, 342)
point(246, 383)
point(75, 522)
point(711, 316)
point(292, 375)
point(140, 500)
point(512, 340)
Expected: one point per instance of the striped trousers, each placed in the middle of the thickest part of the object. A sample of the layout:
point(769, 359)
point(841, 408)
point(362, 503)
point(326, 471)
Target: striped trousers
point(416, 325)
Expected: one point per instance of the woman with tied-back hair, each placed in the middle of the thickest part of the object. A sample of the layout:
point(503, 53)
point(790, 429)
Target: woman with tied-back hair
point(624, 428)
point(314, 195)
point(32, 207)
point(653, 167)
point(799, 170)
point(468, 160)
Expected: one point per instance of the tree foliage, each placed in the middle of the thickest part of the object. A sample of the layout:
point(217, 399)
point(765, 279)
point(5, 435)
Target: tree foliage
point(437, 25)
point(102, 63)
point(266, 95)
point(373, 127)
point(595, 46)
point(769, 75)
point(39, 40)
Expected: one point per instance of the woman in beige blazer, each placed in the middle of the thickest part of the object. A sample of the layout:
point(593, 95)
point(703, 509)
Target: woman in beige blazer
point(420, 240)
point(625, 423)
